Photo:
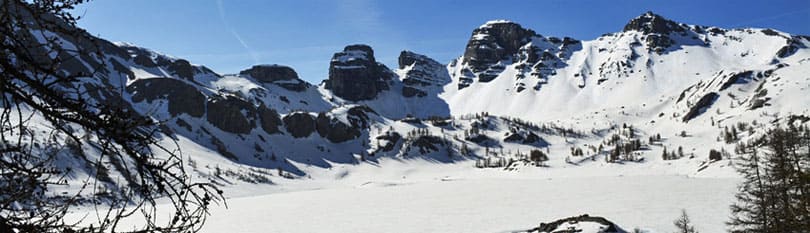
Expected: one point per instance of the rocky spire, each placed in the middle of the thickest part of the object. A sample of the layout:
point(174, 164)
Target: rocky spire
point(355, 75)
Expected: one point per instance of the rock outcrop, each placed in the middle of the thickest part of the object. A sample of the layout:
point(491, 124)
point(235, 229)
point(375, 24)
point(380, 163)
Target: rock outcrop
point(335, 130)
point(658, 30)
point(497, 44)
point(493, 42)
point(231, 114)
point(269, 120)
point(704, 103)
point(421, 73)
point(181, 96)
point(570, 224)
point(355, 74)
point(279, 75)
point(299, 124)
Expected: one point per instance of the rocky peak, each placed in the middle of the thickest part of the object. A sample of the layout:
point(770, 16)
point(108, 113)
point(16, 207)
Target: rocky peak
point(652, 23)
point(360, 51)
point(283, 76)
point(420, 73)
point(495, 41)
point(355, 75)
point(408, 58)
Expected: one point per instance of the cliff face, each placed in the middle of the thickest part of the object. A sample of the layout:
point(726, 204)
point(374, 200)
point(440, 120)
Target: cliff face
point(354, 74)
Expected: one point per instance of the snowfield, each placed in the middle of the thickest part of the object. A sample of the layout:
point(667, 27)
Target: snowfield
point(481, 204)
point(424, 196)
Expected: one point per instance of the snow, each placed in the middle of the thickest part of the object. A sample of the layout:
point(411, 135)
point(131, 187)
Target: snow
point(419, 196)
point(603, 83)
point(497, 21)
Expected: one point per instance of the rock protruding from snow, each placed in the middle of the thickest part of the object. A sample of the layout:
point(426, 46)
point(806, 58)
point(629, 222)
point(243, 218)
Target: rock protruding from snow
point(658, 30)
point(269, 119)
point(497, 45)
point(299, 124)
point(181, 96)
point(583, 223)
point(493, 42)
point(231, 114)
point(652, 23)
point(355, 74)
point(421, 73)
point(330, 126)
point(283, 76)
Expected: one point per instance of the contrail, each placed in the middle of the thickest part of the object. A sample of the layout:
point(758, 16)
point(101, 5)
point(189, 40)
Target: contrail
point(236, 34)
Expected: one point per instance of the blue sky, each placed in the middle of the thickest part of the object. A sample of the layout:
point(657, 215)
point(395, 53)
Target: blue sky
point(231, 35)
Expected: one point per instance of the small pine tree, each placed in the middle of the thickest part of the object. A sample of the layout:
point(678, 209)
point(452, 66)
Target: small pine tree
point(683, 224)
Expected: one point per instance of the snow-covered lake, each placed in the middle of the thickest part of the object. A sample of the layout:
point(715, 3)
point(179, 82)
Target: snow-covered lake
point(482, 205)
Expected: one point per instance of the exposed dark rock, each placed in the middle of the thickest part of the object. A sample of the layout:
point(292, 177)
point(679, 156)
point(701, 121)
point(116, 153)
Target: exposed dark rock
point(358, 116)
point(658, 43)
point(181, 96)
point(513, 137)
point(657, 29)
point(231, 114)
point(758, 103)
point(391, 139)
point(735, 78)
point(122, 69)
point(144, 60)
point(411, 92)
point(282, 76)
point(790, 48)
point(355, 75)
point(269, 119)
point(494, 42)
point(183, 124)
point(478, 139)
point(222, 149)
point(516, 137)
point(182, 69)
point(299, 124)
point(338, 131)
point(427, 144)
point(704, 103)
point(411, 120)
point(610, 227)
point(651, 23)
point(422, 73)
point(334, 130)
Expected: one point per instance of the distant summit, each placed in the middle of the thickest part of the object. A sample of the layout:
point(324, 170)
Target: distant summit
point(650, 22)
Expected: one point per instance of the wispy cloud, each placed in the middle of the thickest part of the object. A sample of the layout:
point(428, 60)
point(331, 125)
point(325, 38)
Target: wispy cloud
point(235, 34)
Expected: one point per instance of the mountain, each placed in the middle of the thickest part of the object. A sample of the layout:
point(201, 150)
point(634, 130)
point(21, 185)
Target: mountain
point(512, 96)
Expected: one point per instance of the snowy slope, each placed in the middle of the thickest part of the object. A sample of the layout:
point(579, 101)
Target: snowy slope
point(658, 85)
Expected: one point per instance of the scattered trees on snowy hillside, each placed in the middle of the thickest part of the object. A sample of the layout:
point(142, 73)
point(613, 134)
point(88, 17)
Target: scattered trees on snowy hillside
point(775, 193)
